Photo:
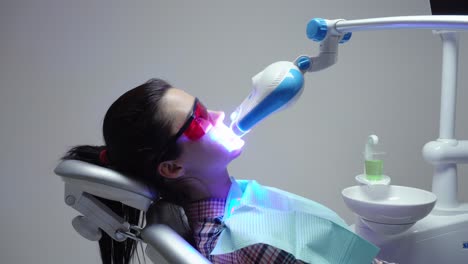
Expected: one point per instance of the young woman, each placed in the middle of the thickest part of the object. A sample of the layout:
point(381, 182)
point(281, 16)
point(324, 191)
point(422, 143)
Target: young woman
point(165, 136)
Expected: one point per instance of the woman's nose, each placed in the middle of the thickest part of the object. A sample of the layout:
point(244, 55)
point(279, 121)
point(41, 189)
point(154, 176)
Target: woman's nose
point(216, 116)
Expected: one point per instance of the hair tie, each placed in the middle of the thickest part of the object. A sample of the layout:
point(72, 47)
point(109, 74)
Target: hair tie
point(103, 157)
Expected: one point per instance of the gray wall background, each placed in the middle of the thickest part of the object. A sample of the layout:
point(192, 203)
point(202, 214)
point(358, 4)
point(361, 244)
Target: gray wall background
point(64, 62)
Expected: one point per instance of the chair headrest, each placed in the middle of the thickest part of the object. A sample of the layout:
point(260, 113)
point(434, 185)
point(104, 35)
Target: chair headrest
point(93, 178)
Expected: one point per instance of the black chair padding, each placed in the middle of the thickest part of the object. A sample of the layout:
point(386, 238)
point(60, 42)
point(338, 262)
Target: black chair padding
point(172, 215)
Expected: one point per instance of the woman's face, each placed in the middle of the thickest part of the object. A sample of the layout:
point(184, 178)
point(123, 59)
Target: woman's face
point(214, 150)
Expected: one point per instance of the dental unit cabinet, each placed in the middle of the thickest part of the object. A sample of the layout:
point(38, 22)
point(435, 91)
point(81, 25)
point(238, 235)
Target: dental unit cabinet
point(411, 225)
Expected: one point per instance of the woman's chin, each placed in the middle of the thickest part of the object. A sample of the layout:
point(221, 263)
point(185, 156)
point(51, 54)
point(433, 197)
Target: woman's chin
point(236, 153)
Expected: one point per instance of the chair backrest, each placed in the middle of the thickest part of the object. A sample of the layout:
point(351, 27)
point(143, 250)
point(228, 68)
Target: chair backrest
point(166, 232)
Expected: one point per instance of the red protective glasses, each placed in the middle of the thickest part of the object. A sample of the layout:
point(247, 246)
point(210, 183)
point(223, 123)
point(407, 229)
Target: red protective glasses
point(198, 123)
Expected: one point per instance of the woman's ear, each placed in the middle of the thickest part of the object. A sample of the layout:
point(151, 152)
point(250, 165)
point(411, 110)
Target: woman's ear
point(170, 169)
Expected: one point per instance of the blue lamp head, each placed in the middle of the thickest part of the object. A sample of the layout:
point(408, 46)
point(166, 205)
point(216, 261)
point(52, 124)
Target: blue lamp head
point(275, 88)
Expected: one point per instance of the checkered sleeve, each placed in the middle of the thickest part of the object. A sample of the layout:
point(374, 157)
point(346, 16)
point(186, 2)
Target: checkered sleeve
point(205, 218)
point(265, 254)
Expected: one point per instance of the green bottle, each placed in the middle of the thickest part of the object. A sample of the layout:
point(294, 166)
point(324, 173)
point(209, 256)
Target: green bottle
point(373, 164)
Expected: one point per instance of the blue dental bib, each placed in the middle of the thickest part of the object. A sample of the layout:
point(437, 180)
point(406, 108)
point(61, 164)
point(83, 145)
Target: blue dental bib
point(310, 231)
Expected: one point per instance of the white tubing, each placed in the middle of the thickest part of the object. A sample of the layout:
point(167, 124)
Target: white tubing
point(448, 98)
point(445, 186)
point(404, 22)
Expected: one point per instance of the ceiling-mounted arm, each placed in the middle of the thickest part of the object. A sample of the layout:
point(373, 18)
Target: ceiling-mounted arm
point(330, 33)
point(452, 23)
point(323, 31)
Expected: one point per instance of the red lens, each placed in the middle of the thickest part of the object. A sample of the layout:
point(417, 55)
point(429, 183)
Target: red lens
point(200, 124)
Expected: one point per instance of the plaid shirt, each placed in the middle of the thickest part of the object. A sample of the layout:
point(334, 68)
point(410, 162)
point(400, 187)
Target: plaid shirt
point(205, 219)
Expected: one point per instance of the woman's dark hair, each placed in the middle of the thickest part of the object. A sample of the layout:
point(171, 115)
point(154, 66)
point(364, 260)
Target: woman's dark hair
point(137, 135)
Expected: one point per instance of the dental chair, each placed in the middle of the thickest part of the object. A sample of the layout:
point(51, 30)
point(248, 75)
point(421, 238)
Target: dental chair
point(166, 224)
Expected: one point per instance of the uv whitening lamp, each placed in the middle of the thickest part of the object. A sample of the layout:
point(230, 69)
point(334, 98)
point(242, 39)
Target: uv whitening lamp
point(280, 84)
point(276, 87)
